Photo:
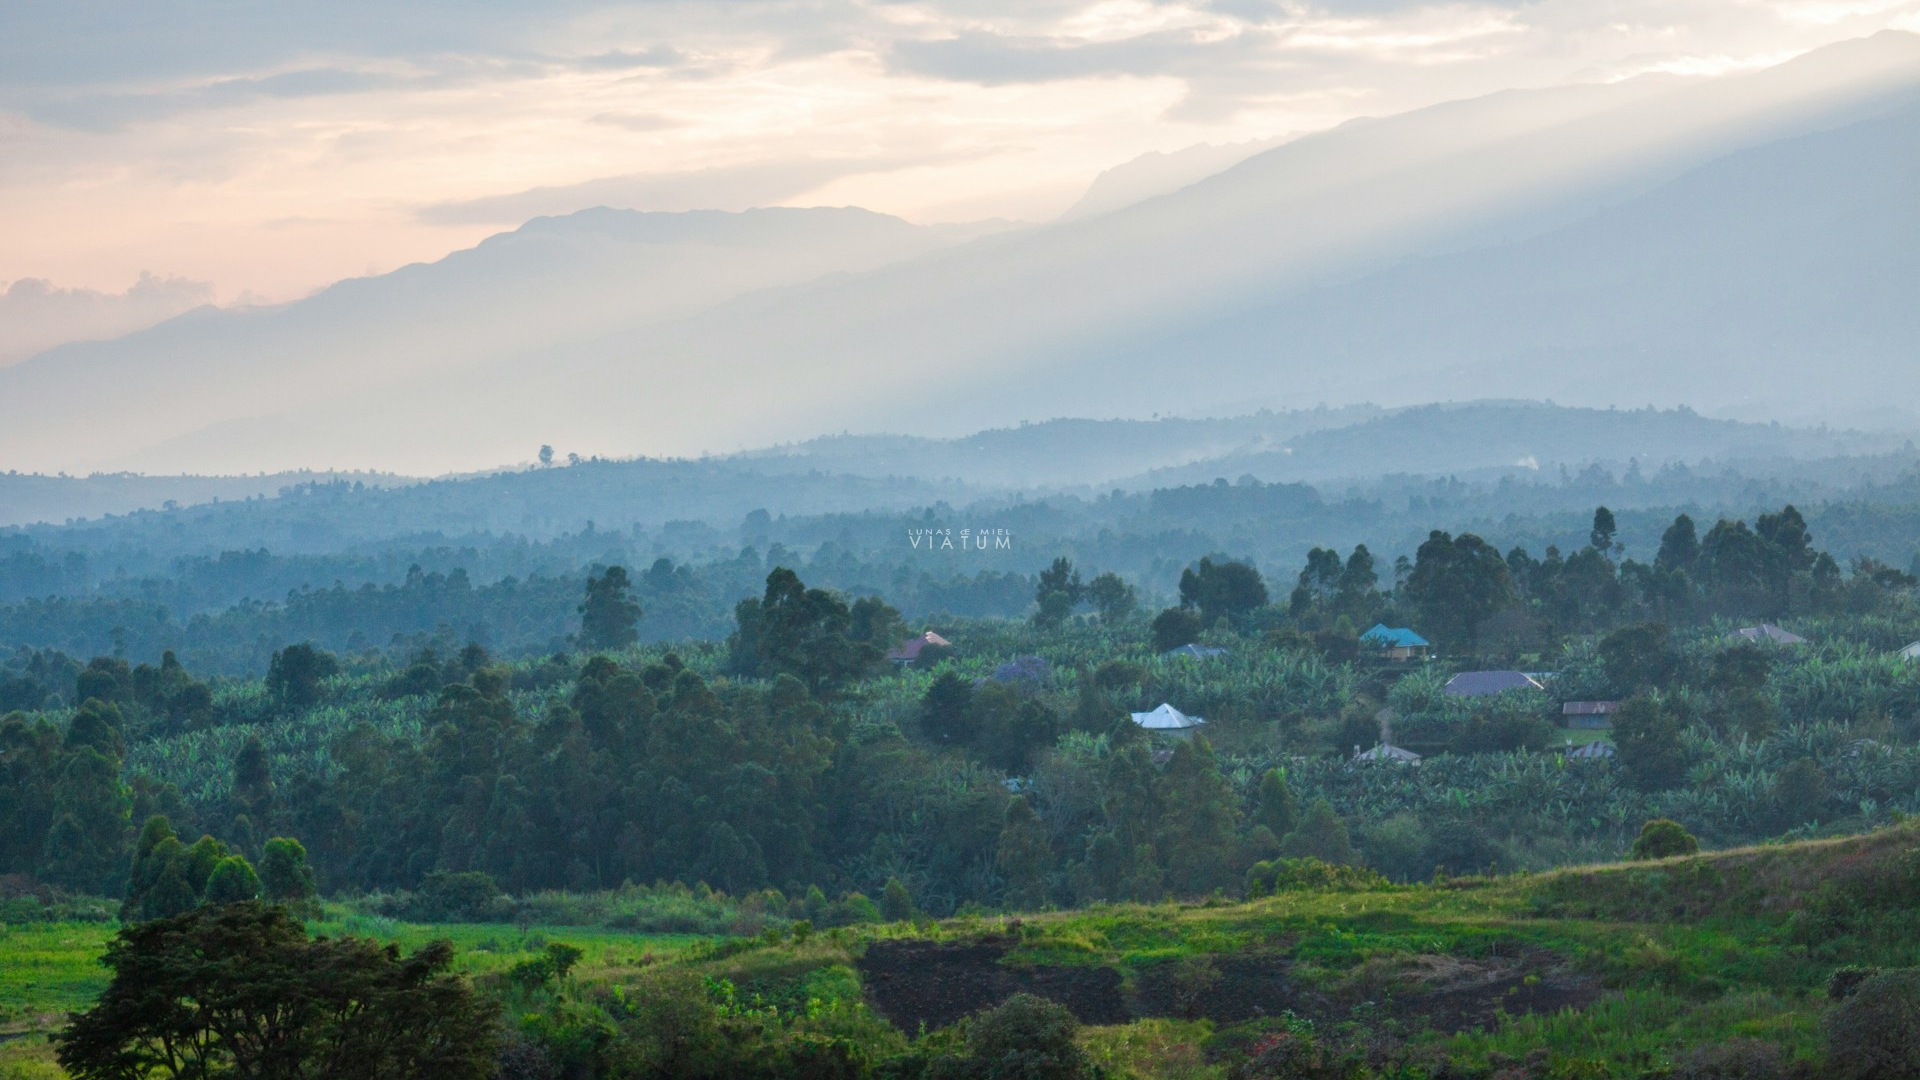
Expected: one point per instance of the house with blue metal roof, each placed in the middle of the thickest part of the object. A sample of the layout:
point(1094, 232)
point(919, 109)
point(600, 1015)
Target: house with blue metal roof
point(1396, 642)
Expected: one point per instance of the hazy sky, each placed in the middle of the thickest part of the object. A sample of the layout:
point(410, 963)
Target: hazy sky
point(270, 148)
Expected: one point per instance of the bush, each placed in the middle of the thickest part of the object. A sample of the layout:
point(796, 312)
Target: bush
point(1663, 838)
point(1023, 1038)
point(464, 897)
point(1289, 875)
point(1874, 1032)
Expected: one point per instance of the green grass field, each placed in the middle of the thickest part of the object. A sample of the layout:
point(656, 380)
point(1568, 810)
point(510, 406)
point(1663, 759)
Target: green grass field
point(1611, 970)
point(50, 969)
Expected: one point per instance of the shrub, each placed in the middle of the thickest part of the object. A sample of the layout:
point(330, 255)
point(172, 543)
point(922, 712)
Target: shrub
point(1289, 875)
point(1874, 1032)
point(1023, 1038)
point(1663, 838)
point(464, 897)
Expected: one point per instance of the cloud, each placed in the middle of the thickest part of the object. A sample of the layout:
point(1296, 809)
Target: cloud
point(991, 59)
point(36, 316)
point(738, 187)
point(658, 56)
point(100, 112)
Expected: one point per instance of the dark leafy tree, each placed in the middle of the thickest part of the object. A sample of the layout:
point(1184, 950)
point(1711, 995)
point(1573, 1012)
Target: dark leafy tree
point(1060, 577)
point(875, 622)
point(1638, 658)
point(794, 630)
point(1024, 856)
point(1112, 597)
point(86, 847)
point(1222, 590)
point(609, 616)
point(287, 879)
point(1175, 627)
point(1600, 537)
point(1800, 792)
point(1457, 584)
point(1275, 807)
point(240, 990)
point(295, 675)
point(1679, 546)
point(1199, 823)
point(946, 711)
point(1648, 746)
point(1320, 834)
point(233, 881)
point(896, 903)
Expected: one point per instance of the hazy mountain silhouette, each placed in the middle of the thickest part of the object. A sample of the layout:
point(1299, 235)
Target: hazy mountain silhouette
point(1654, 240)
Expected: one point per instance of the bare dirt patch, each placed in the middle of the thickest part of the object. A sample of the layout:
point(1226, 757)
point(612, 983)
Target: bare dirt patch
point(932, 983)
point(1453, 994)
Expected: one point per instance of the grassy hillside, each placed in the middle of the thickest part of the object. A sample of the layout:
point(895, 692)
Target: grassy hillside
point(1619, 970)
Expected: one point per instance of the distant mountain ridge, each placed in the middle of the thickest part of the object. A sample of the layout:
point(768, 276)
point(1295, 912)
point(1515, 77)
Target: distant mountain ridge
point(891, 473)
point(1576, 243)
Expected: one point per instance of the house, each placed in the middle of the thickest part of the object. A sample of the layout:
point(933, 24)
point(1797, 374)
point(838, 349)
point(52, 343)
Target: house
point(1597, 750)
point(1488, 683)
point(1588, 714)
point(1388, 753)
point(1766, 631)
point(1195, 652)
point(1396, 642)
point(1167, 720)
point(1911, 652)
point(909, 650)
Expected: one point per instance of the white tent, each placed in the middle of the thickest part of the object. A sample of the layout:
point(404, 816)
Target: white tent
point(1166, 718)
point(1911, 652)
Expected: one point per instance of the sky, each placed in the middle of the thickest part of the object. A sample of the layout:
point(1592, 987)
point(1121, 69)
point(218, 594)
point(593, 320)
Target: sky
point(240, 152)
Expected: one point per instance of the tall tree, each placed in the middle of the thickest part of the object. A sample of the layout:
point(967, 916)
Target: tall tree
point(1222, 590)
point(1457, 584)
point(1024, 856)
point(1600, 537)
point(295, 675)
point(1112, 597)
point(1648, 745)
point(609, 615)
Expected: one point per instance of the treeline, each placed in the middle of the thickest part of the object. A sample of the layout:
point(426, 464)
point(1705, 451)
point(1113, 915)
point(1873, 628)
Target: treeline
point(446, 610)
point(798, 756)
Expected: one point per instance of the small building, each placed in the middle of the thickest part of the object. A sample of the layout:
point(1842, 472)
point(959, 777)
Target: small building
point(909, 650)
point(1597, 750)
point(1488, 683)
point(1767, 632)
point(1911, 652)
point(1396, 642)
point(1195, 652)
point(1387, 752)
point(1588, 714)
point(1167, 720)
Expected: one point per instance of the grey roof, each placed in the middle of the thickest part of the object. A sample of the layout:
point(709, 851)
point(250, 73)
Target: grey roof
point(1766, 631)
point(1483, 683)
point(1197, 652)
point(1593, 751)
point(1588, 708)
point(1385, 752)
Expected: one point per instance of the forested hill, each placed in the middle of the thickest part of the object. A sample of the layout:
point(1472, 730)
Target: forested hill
point(851, 473)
